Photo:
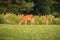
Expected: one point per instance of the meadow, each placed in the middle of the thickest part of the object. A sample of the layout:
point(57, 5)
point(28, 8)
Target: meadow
point(29, 32)
point(45, 19)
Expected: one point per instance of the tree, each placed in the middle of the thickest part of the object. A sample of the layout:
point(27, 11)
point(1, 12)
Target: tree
point(15, 6)
point(43, 7)
point(55, 8)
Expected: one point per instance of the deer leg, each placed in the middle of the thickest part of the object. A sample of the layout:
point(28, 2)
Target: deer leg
point(25, 22)
point(20, 22)
point(32, 21)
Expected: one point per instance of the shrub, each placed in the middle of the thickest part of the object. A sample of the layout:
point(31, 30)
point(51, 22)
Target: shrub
point(38, 20)
point(1, 18)
point(43, 19)
point(56, 21)
point(9, 18)
point(12, 18)
point(50, 18)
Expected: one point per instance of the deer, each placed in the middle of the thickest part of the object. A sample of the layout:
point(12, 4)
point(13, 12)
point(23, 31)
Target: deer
point(46, 21)
point(25, 18)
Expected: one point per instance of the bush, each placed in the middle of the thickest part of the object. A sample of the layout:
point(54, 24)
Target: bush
point(1, 19)
point(51, 19)
point(37, 20)
point(12, 18)
point(43, 19)
point(56, 21)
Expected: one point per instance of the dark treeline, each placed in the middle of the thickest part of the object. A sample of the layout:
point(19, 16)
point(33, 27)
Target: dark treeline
point(38, 7)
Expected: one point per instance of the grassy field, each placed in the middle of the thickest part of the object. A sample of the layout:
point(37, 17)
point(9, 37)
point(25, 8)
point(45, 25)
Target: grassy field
point(29, 32)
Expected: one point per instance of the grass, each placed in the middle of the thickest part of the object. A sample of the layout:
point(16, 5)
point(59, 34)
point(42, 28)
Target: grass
point(29, 32)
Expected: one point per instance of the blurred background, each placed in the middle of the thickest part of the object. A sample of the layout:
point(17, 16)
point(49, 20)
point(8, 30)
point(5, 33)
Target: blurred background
point(11, 11)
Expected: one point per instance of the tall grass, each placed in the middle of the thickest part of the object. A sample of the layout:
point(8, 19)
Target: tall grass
point(10, 18)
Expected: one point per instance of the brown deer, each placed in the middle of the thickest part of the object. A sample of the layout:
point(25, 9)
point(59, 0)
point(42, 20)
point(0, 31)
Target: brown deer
point(26, 18)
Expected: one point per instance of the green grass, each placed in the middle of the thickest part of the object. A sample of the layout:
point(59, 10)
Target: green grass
point(28, 32)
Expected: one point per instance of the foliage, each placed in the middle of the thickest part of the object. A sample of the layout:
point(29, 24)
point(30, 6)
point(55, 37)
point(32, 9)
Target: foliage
point(1, 19)
point(38, 20)
point(15, 6)
point(56, 21)
point(38, 7)
point(10, 18)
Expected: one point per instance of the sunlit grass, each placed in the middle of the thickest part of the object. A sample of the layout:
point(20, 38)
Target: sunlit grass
point(29, 32)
